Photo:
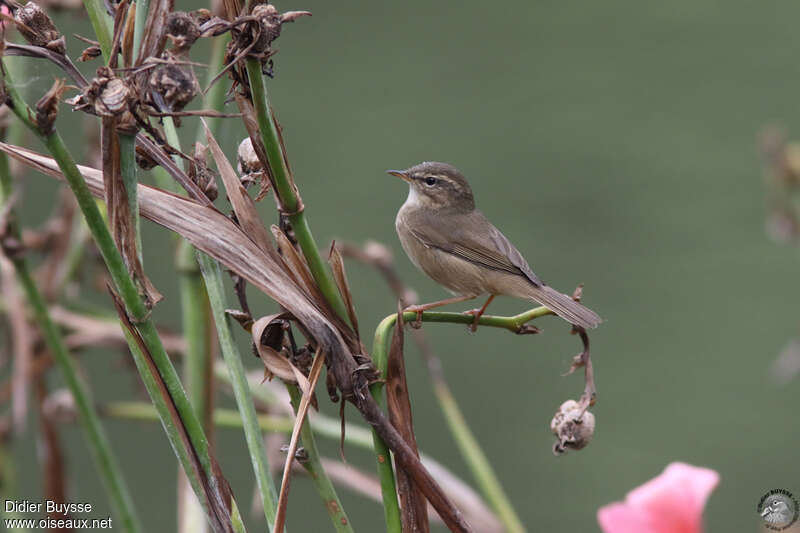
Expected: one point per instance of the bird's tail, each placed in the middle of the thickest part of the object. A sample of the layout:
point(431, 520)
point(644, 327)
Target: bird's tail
point(565, 307)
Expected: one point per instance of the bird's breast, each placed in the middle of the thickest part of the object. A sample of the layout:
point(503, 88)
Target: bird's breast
point(456, 275)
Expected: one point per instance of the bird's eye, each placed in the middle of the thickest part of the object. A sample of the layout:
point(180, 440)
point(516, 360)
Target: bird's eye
point(430, 181)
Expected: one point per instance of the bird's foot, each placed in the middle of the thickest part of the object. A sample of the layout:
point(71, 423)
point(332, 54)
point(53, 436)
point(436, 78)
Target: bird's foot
point(418, 309)
point(476, 314)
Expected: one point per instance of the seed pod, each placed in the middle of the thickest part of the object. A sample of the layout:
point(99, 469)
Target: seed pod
point(38, 29)
point(183, 29)
point(47, 107)
point(573, 425)
point(90, 53)
point(113, 98)
point(175, 84)
point(247, 160)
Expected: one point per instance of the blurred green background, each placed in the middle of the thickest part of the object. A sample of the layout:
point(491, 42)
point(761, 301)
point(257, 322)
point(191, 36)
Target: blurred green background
point(614, 143)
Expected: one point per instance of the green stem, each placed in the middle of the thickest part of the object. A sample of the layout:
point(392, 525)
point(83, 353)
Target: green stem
point(135, 309)
point(287, 193)
point(195, 320)
point(129, 169)
point(241, 388)
point(319, 477)
point(328, 428)
point(142, 7)
point(104, 458)
point(380, 356)
point(101, 23)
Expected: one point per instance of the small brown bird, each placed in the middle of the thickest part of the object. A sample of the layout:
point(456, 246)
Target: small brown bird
point(456, 245)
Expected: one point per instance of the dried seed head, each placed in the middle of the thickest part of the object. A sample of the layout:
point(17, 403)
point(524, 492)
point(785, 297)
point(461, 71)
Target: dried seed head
point(201, 16)
point(38, 29)
point(173, 86)
point(113, 98)
point(247, 160)
point(573, 425)
point(257, 36)
point(47, 107)
point(90, 53)
point(183, 30)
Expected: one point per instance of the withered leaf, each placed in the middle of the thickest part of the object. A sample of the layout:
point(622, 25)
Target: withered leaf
point(243, 205)
point(337, 266)
point(123, 223)
point(302, 411)
point(276, 363)
point(412, 501)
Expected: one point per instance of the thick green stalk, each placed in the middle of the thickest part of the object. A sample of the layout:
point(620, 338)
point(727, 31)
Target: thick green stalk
point(104, 458)
point(134, 306)
point(129, 170)
point(195, 319)
point(380, 356)
point(142, 7)
point(319, 477)
point(101, 23)
point(286, 192)
point(241, 388)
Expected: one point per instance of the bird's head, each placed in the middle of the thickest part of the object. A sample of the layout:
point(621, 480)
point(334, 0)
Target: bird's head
point(437, 186)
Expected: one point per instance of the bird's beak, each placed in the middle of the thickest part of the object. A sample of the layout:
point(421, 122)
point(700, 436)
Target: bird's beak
point(400, 174)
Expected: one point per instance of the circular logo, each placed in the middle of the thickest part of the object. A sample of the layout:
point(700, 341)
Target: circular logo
point(778, 509)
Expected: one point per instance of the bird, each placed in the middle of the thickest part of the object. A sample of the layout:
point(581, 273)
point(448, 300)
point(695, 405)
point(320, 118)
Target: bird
point(452, 242)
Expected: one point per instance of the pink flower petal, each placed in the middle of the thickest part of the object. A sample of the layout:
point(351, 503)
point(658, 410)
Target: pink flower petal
point(622, 518)
point(672, 502)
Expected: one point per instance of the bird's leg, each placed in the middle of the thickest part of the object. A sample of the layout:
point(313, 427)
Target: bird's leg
point(478, 313)
point(419, 309)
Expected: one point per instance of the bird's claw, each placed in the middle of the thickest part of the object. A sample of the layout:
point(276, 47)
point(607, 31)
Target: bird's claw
point(417, 323)
point(477, 312)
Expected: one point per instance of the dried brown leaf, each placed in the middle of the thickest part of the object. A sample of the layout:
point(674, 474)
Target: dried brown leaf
point(302, 410)
point(154, 37)
point(126, 44)
point(157, 154)
point(275, 362)
point(243, 205)
point(122, 220)
point(412, 502)
point(337, 266)
point(296, 265)
point(62, 61)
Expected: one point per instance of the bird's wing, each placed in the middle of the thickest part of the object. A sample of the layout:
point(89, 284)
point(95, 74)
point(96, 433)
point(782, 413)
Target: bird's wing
point(476, 240)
